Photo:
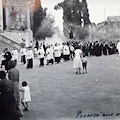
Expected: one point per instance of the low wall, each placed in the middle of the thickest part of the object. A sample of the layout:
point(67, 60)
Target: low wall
point(18, 36)
point(9, 42)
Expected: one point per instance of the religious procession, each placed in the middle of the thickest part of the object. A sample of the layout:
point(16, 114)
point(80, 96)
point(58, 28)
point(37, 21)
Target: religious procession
point(61, 66)
point(50, 54)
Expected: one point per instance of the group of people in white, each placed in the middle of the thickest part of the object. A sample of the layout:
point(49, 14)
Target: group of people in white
point(54, 54)
point(49, 55)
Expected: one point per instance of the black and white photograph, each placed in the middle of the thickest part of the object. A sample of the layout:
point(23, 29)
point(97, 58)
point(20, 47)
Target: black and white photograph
point(59, 59)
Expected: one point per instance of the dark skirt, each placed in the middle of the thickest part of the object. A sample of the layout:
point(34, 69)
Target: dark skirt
point(8, 107)
point(66, 57)
point(3, 62)
point(6, 64)
point(23, 59)
point(57, 59)
point(30, 63)
point(41, 62)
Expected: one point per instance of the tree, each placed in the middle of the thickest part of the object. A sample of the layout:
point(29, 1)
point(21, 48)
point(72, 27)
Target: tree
point(46, 29)
point(71, 11)
point(38, 17)
point(74, 12)
point(85, 13)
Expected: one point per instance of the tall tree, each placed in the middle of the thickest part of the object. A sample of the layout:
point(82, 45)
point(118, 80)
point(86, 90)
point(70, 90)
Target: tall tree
point(71, 11)
point(85, 13)
point(38, 16)
point(75, 14)
point(47, 28)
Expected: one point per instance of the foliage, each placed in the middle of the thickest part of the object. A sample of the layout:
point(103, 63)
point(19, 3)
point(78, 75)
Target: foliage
point(47, 28)
point(38, 17)
point(107, 31)
point(75, 16)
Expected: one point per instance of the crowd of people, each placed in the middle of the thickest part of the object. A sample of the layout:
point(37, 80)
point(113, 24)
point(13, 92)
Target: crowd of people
point(9, 94)
point(9, 88)
point(9, 79)
point(54, 53)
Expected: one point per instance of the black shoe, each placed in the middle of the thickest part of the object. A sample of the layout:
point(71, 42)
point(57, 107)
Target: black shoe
point(20, 114)
point(25, 109)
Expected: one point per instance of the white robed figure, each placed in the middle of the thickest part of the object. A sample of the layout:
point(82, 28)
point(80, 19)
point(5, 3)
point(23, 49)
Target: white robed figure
point(41, 55)
point(23, 55)
point(66, 52)
point(118, 47)
point(49, 53)
point(52, 54)
point(29, 57)
point(57, 53)
point(14, 55)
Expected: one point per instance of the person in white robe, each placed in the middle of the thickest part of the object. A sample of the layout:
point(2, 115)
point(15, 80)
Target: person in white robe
point(118, 47)
point(52, 54)
point(57, 53)
point(2, 59)
point(14, 55)
point(66, 52)
point(41, 56)
point(23, 55)
point(30, 57)
point(49, 54)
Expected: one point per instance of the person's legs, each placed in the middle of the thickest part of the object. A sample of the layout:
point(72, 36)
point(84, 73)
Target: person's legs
point(86, 69)
point(58, 59)
point(52, 61)
point(24, 59)
point(42, 61)
point(31, 63)
point(23, 104)
point(76, 70)
point(15, 62)
point(26, 105)
point(83, 70)
point(119, 51)
point(79, 70)
point(21, 58)
point(28, 63)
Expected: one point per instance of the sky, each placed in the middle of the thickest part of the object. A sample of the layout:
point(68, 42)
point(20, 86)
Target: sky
point(99, 10)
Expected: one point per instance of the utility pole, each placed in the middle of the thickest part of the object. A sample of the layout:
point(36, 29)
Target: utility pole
point(1, 16)
point(104, 15)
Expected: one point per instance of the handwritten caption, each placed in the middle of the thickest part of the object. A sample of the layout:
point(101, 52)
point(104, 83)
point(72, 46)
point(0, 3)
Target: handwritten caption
point(102, 114)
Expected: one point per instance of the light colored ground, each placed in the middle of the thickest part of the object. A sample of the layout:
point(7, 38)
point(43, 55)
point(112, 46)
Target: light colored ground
point(58, 93)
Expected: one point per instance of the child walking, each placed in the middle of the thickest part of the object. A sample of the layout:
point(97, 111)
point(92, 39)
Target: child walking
point(84, 64)
point(26, 97)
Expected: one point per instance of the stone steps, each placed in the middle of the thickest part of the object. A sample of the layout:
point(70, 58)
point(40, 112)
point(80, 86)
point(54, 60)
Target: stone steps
point(4, 45)
point(7, 43)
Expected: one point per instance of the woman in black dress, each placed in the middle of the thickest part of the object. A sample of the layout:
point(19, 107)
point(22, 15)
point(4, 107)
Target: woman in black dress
point(7, 57)
point(8, 106)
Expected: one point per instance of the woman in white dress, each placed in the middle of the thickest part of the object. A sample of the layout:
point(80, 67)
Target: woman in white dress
point(77, 60)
